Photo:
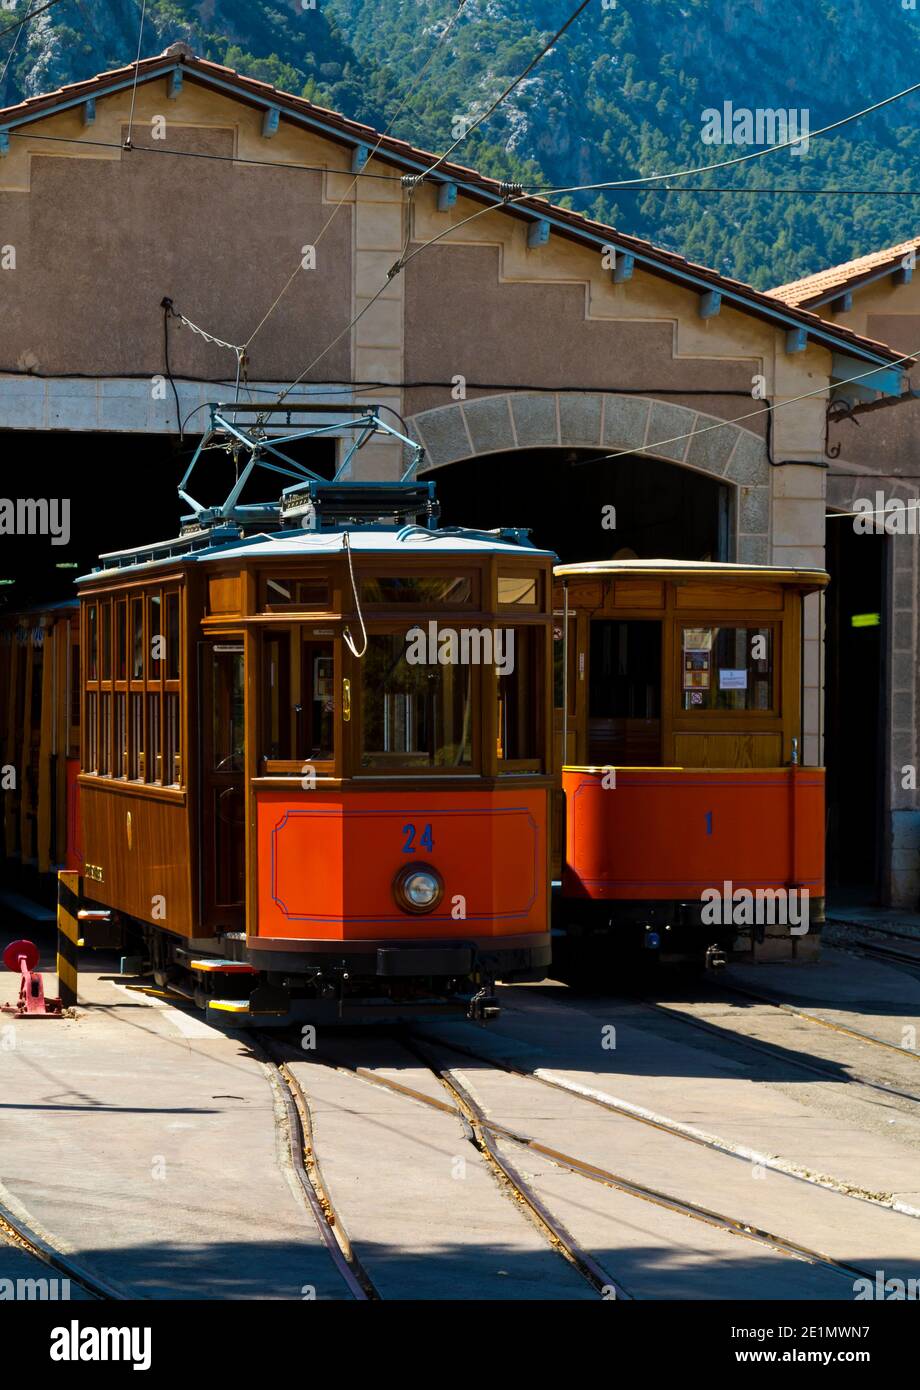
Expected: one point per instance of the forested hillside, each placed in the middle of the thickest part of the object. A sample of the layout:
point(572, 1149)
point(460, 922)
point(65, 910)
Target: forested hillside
point(621, 95)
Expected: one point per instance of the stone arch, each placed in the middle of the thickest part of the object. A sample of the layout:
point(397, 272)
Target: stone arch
point(608, 420)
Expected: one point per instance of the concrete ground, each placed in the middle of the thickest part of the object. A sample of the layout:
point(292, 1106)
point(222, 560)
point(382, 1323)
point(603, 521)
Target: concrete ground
point(154, 1145)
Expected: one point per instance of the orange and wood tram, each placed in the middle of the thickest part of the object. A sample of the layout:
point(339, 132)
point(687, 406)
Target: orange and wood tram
point(304, 760)
point(315, 750)
point(691, 824)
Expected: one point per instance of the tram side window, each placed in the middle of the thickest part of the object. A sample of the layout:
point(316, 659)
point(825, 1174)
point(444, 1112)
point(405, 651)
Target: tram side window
point(276, 704)
point(518, 590)
point(298, 698)
point(413, 716)
point(133, 701)
point(727, 668)
point(432, 591)
point(317, 700)
point(519, 691)
point(92, 642)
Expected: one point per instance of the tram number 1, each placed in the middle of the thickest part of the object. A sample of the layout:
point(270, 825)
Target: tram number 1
point(426, 840)
point(708, 822)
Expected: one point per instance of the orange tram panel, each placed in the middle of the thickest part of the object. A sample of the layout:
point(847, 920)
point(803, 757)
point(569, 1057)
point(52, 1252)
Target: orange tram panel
point(689, 821)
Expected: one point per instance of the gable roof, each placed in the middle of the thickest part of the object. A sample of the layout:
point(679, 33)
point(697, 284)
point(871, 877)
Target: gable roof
point(410, 159)
point(837, 279)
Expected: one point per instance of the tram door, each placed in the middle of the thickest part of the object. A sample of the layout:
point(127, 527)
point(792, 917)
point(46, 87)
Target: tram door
point(223, 785)
point(624, 695)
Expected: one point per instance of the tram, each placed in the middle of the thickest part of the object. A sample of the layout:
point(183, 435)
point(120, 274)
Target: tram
point(689, 824)
point(315, 747)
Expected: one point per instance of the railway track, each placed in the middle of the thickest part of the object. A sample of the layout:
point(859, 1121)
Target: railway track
point(816, 1019)
point(484, 1134)
point(839, 936)
point(22, 1237)
point(488, 1134)
point(778, 1054)
point(478, 1129)
point(309, 1174)
point(690, 1135)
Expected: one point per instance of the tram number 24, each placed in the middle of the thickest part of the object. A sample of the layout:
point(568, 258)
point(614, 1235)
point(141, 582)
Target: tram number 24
point(426, 840)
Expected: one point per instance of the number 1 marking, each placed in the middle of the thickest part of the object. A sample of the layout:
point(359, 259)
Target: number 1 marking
point(708, 822)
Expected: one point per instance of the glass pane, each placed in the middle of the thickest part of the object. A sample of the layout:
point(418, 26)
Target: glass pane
point(297, 593)
point(172, 771)
point(413, 716)
point(276, 686)
point(227, 712)
point(105, 731)
point(105, 613)
point(154, 766)
point(156, 638)
point(444, 590)
point(136, 769)
point(121, 656)
point(518, 724)
point(119, 762)
point(92, 635)
point(91, 745)
point(727, 668)
point(228, 819)
point(172, 637)
point(518, 588)
point(316, 717)
point(137, 639)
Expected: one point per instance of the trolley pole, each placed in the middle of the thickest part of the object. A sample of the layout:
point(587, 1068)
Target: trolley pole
point(68, 935)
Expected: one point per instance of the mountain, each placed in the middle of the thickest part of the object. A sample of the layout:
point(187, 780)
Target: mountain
point(622, 95)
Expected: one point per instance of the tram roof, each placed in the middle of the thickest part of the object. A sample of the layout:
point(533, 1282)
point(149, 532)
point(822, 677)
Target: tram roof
point(294, 544)
point(697, 569)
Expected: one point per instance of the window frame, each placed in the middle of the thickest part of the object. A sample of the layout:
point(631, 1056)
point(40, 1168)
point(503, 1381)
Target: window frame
point(474, 769)
point(692, 715)
point(299, 635)
point(118, 609)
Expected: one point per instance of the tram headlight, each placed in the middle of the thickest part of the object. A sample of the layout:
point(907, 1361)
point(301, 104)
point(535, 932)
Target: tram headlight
point(418, 888)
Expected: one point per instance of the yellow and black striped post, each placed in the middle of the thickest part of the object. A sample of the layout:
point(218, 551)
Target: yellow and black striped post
point(68, 935)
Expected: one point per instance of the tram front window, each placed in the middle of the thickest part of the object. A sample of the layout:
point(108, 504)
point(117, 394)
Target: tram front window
point(413, 716)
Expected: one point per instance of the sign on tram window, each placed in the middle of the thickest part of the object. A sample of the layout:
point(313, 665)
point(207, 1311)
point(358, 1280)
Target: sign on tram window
point(727, 668)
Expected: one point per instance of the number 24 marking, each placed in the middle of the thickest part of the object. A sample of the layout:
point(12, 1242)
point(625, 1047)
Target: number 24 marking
point(425, 842)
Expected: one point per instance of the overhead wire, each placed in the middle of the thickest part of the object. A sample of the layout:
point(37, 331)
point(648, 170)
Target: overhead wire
point(397, 267)
point(40, 9)
point(751, 415)
point(442, 39)
point(137, 71)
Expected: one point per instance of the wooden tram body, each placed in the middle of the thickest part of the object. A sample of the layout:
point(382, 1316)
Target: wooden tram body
point(253, 794)
point(680, 750)
point(40, 735)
